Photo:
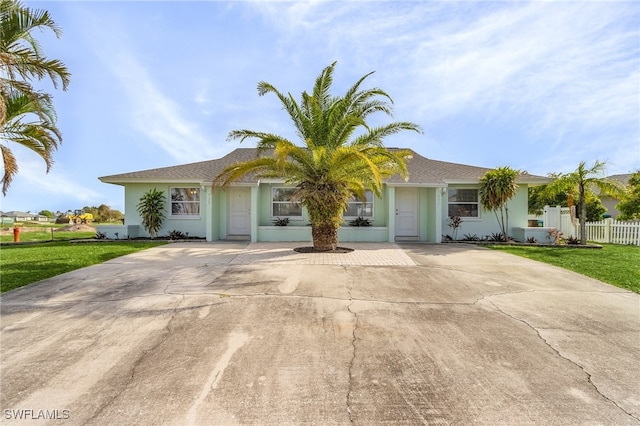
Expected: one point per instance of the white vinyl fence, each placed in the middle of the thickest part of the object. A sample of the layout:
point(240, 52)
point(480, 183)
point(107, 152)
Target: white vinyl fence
point(605, 231)
point(613, 231)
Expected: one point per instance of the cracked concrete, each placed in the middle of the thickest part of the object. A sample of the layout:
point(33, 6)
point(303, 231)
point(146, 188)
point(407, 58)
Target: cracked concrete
point(581, 367)
point(353, 343)
point(195, 334)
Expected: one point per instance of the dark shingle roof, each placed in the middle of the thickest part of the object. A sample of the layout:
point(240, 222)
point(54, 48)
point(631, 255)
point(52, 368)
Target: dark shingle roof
point(422, 171)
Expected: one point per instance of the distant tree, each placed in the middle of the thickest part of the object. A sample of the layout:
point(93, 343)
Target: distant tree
point(27, 116)
point(103, 213)
point(540, 196)
point(116, 215)
point(629, 207)
point(595, 208)
point(582, 181)
point(151, 209)
point(46, 213)
point(497, 187)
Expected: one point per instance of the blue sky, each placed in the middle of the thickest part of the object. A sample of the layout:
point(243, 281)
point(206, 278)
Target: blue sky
point(538, 86)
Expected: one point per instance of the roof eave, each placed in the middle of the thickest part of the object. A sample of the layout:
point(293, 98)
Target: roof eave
point(123, 181)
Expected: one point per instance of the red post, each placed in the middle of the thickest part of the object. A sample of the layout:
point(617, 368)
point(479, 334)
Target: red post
point(16, 235)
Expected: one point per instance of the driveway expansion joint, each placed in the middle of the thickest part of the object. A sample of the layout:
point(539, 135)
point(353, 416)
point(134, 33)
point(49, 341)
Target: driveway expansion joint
point(353, 343)
point(557, 352)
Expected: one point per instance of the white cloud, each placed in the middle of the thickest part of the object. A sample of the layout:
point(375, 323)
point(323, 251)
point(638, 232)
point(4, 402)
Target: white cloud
point(563, 76)
point(157, 117)
point(168, 123)
point(44, 189)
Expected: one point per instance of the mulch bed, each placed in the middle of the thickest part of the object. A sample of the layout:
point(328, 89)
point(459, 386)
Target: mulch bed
point(338, 250)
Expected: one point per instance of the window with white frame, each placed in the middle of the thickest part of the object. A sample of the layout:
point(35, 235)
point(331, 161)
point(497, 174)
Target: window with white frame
point(283, 203)
point(185, 201)
point(464, 202)
point(360, 208)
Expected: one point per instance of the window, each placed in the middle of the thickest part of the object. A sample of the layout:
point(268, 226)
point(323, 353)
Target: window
point(185, 201)
point(463, 202)
point(360, 208)
point(282, 204)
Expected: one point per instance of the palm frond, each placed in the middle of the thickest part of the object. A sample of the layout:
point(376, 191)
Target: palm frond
point(10, 168)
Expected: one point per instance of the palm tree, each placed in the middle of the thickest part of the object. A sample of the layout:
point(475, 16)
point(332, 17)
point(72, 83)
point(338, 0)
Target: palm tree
point(497, 187)
point(582, 181)
point(332, 164)
point(26, 115)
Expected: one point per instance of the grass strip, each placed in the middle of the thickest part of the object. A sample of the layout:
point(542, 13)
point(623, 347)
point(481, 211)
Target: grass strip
point(25, 264)
point(618, 265)
point(46, 235)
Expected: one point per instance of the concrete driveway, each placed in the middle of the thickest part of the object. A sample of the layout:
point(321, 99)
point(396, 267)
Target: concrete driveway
point(234, 334)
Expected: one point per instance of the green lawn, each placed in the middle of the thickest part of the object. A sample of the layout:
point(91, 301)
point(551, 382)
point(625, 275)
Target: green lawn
point(24, 264)
point(32, 231)
point(43, 235)
point(614, 264)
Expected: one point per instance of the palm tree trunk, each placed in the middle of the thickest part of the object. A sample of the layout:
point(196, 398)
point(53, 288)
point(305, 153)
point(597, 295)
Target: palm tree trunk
point(506, 227)
point(583, 216)
point(325, 237)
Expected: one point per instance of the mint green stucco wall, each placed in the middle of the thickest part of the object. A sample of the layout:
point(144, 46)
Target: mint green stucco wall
point(214, 212)
point(196, 227)
point(487, 224)
point(265, 218)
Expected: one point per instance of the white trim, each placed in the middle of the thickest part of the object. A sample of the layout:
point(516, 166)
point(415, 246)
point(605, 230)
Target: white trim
point(416, 185)
point(242, 184)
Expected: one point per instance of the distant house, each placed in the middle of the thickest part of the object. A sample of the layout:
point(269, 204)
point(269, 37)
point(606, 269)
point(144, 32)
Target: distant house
point(415, 210)
point(610, 202)
point(18, 216)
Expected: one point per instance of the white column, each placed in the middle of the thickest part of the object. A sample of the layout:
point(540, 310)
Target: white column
point(208, 212)
point(254, 213)
point(391, 223)
point(438, 215)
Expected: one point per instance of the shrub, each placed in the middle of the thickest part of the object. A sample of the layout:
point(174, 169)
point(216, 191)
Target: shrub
point(572, 241)
point(151, 209)
point(554, 236)
point(469, 237)
point(454, 224)
point(360, 221)
point(497, 236)
point(281, 222)
point(176, 235)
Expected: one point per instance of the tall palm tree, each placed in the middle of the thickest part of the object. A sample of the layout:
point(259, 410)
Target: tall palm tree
point(332, 164)
point(24, 109)
point(582, 181)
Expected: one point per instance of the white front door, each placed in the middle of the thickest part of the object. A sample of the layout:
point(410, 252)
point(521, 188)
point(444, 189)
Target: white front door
point(239, 211)
point(406, 212)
